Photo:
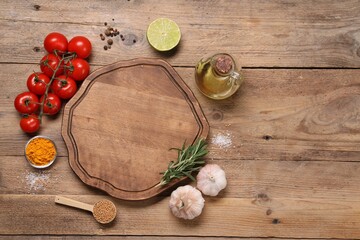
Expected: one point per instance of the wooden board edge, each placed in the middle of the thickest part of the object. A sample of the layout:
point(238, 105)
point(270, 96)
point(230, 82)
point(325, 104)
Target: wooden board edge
point(70, 143)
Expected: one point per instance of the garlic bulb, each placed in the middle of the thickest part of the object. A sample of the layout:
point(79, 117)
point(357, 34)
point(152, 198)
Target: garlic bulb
point(186, 202)
point(211, 179)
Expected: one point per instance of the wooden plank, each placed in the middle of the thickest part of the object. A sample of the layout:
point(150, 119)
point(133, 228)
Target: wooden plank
point(289, 115)
point(276, 115)
point(287, 217)
point(250, 179)
point(36, 237)
point(27, 180)
point(257, 33)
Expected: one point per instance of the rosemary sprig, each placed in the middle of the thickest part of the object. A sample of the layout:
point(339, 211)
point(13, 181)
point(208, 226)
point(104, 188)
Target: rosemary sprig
point(188, 161)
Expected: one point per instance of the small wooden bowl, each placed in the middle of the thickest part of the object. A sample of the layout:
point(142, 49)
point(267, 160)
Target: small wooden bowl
point(40, 166)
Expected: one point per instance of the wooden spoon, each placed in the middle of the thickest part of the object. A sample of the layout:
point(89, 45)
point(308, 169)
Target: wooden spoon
point(104, 211)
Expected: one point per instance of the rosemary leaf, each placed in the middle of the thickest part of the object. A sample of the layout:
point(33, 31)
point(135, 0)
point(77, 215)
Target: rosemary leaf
point(189, 176)
point(189, 160)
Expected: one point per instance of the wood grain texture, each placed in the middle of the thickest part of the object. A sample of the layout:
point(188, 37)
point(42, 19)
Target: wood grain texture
point(119, 123)
point(277, 115)
point(257, 33)
point(221, 217)
point(246, 178)
point(288, 140)
point(292, 115)
point(36, 237)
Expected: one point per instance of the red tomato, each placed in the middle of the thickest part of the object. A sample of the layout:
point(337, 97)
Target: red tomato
point(30, 123)
point(52, 104)
point(37, 82)
point(49, 64)
point(81, 46)
point(64, 86)
point(78, 69)
point(55, 41)
point(26, 103)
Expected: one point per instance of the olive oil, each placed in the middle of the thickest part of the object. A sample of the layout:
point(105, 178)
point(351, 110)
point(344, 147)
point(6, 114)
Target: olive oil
point(216, 77)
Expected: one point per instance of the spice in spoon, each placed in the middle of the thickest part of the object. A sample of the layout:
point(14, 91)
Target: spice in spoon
point(104, 211)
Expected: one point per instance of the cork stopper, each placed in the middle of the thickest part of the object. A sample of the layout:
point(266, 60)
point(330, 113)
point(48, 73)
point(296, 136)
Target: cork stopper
point(223, 64)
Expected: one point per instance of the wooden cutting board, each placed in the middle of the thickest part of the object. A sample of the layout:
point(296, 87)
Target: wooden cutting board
point(120, 125)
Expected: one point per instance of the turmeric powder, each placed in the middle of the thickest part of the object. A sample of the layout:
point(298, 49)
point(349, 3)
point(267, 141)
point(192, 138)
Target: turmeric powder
point(40, 151)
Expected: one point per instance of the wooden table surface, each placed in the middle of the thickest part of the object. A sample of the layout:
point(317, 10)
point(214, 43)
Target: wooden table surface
point(288, 140)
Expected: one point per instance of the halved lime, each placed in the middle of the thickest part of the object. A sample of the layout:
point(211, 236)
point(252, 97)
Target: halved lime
point(163, 34)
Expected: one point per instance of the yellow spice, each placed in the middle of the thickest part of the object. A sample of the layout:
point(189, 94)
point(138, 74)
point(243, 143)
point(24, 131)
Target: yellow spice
point(40, 151)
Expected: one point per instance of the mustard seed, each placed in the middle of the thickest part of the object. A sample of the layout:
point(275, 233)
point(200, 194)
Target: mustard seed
point(104, 211)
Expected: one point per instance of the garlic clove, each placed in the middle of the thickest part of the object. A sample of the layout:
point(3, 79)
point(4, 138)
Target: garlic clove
point(186, 202)
point(211, 179)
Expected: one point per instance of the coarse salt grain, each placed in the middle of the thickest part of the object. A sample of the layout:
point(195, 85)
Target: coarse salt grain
point(37, 181)
point(222, 140)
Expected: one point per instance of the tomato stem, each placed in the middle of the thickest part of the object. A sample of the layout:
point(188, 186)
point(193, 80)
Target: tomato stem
point(27, 102)
point(63, 83)
point(53, 77)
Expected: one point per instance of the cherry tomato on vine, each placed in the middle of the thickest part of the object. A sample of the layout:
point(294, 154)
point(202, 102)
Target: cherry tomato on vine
point(30, 123)
point(37, 83)
point(52, 104)
point(49, 63)
point(26, 103)
point(55, 41)
point(78, 69)
point(64, 86)
point(81, 46)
